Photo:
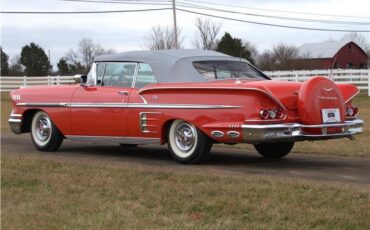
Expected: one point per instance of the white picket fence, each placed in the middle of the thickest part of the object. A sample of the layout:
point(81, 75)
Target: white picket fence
point(9, 83)
point(359, 77)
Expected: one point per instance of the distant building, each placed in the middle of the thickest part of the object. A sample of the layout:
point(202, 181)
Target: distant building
point(327, 55)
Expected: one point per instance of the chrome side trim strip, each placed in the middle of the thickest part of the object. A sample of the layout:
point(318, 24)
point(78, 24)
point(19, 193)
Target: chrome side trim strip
point(114, 139)
point(225, 88)
point(142, 98)
point(41, 104)
point(129, 105)
point(97, 105)
point(182, 106)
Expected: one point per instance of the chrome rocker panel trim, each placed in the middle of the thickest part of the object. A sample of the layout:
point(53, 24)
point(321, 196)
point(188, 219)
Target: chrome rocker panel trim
point(294, 131)
point(113, 139)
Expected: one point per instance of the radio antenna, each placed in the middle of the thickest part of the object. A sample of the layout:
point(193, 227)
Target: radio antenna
point(237, 81)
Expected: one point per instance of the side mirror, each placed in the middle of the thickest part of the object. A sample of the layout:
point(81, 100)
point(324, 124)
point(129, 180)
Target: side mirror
point(80, 79)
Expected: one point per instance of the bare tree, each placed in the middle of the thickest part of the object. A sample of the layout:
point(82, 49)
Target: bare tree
point(252, 48)
point(359, 39)
point(72, 57)
point(284, 56)
point(161, 38)
point(101, 51)
point(206, 33)
point(87, 50)
point(281, 57)
point(266, 61)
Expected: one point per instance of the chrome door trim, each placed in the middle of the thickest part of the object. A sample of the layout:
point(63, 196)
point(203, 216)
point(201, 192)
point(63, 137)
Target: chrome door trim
point(114, 139)
point(135, 75)
point(129, 105)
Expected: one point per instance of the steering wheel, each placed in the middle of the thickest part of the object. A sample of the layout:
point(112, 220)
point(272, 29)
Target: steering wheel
point(124, 78)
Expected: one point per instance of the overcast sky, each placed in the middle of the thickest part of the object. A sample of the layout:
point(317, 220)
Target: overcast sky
point(125, 31)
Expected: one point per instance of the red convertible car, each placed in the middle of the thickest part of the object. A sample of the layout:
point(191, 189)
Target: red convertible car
point(188, 99)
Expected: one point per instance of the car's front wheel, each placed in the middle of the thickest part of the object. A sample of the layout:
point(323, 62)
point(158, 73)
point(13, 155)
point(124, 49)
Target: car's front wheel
point(274, 150)
point(187, 143)
point(44, 134)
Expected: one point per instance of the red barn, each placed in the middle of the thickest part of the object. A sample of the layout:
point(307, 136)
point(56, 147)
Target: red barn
point(327, 55)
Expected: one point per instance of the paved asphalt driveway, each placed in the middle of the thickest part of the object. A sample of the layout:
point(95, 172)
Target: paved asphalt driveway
point(327, 169)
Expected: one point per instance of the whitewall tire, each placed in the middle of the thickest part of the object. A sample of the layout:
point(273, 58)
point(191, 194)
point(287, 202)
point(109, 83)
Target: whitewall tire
point(187, 143)
point(44, 134)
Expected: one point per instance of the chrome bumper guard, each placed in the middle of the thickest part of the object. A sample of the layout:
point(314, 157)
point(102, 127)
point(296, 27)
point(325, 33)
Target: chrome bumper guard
point(15, 123)
point(295, 131)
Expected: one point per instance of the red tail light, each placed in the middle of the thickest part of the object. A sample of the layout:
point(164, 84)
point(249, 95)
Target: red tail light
point(279, 113)
point(355, 110)
point(351, 111)
point(271, 113)
point(264, 114)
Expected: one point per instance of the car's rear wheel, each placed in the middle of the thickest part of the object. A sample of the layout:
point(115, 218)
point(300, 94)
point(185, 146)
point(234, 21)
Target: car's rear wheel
point(187, 143)
point(44, 134)
point(274, 150)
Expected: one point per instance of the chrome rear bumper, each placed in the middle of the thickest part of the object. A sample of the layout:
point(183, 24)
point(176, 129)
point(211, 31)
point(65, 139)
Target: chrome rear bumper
point(295, 131)
point(15, 123)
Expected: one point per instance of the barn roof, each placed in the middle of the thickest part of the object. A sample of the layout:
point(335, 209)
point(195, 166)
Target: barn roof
point(321, 49)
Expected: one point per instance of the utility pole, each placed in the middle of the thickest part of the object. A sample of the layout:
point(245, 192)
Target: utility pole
point(174, 23)
point(50, 66)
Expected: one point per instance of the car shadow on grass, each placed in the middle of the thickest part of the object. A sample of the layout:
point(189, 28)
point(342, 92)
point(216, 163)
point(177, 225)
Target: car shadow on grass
point(219, 157)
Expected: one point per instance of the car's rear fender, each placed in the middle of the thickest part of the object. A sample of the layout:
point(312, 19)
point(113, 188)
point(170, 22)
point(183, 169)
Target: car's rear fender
point(211, 109)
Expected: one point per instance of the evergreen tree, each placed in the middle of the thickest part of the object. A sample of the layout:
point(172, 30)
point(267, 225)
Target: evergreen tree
point(233, 47)
point(4, 63)
point(63, 68)
point(35, 60)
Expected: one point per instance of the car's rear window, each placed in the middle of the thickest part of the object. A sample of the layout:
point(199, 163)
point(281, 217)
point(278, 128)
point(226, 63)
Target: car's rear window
point(218, 70)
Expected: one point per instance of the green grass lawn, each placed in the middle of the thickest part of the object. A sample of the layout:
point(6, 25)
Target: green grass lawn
point(53, 194)
point(41, 193)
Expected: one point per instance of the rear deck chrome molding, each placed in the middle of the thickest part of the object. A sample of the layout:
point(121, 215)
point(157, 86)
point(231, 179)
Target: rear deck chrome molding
point(114, 139)
point(129, 105)
point(295, 131)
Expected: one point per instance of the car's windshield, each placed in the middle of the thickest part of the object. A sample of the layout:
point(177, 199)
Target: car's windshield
point(216, 70)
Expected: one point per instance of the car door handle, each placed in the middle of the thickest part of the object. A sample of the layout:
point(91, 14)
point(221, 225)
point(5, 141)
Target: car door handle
point(125, 93)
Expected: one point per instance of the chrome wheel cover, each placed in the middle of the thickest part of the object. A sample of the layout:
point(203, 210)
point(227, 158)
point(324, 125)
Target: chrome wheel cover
point(41, 128)
point(184, 138)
